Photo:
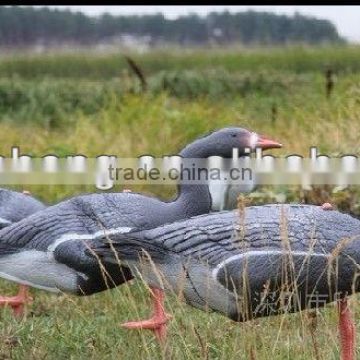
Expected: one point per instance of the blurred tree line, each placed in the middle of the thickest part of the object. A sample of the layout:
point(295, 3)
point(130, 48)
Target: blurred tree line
point(25, 26)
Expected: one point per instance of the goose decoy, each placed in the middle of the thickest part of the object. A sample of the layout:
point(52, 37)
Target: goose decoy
point(262, 261)
point(15, 206)
point(48, 250)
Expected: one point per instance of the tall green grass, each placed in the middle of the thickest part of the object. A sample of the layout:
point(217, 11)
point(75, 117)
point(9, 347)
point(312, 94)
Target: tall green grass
point(53, 102)
point(106, 66)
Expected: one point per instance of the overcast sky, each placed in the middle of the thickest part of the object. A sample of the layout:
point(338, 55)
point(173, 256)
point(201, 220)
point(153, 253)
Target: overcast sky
point(346, 18)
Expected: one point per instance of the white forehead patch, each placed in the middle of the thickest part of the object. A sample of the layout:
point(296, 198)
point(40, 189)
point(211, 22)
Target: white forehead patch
point(253, 140)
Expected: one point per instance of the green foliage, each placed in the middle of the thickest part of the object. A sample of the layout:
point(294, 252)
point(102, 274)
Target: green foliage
point(25, 26)
point(215, 83)
point(52, 102)
point(94, 66)
point(55, 102)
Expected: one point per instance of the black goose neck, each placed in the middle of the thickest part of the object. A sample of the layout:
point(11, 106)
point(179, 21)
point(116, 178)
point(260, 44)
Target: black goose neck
point(197, 149)
point(194, 198)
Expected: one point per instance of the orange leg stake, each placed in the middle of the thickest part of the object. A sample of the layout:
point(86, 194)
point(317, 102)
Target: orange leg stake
point(346, 331)
point(346, 325)
point(157, 322)
point(18, 301)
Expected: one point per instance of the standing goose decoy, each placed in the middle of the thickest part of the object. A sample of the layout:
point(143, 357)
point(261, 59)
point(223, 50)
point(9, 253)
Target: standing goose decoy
point(48, 250)
point(15, 206)
point(261, 261)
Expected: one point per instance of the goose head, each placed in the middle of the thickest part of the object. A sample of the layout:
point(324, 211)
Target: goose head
point(223, 141)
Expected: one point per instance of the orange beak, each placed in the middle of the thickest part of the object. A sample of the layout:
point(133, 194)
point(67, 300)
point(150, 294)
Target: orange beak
point(265, 143)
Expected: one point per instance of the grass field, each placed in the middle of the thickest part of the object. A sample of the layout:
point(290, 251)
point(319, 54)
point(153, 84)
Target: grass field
point(92, 104)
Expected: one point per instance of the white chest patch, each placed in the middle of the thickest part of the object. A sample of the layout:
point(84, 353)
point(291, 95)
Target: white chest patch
point(217, 191)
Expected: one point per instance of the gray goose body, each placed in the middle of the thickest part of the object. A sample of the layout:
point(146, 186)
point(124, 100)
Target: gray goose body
point(15, 206)
point(49, 249)
point(242, 266)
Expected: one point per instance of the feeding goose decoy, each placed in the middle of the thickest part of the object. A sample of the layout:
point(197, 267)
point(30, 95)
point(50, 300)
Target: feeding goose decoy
point(15, 206)
point(48, 249)
point(261, 261)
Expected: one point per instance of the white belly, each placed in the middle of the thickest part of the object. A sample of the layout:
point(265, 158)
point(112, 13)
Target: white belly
point(38, 269)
